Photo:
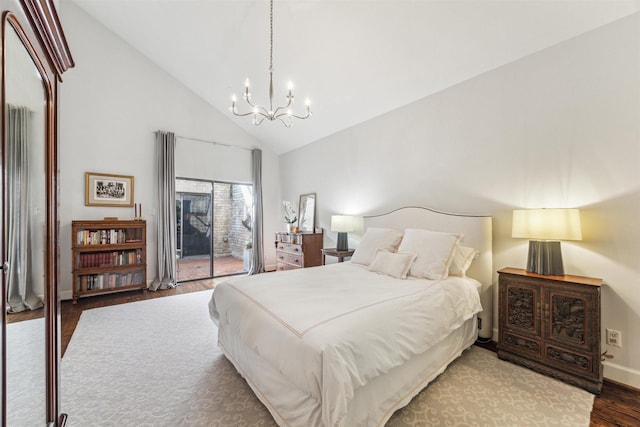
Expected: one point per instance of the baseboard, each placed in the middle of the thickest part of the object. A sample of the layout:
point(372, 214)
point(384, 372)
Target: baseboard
point(613, 383)
point(66, 295)
point(621, 374)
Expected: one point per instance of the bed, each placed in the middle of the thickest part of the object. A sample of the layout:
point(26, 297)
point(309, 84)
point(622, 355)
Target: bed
point(347, 344)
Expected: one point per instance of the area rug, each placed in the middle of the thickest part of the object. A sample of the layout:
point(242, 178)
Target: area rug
point(156, 363)
point(26, 373)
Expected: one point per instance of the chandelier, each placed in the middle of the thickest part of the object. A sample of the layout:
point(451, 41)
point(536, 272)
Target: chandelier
point(283, 113)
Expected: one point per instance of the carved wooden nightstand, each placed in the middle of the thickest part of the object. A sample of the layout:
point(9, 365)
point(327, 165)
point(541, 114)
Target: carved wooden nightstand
point(335, 252)
point(551, 324)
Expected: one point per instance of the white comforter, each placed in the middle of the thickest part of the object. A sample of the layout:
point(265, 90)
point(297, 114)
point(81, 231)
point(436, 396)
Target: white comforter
point(329, 330)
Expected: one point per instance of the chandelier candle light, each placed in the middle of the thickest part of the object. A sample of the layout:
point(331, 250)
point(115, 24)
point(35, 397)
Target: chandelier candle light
point(259, 113)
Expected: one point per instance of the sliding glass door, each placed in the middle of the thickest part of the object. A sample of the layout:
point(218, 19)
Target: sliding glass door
point(214, 228)
point(194, 220)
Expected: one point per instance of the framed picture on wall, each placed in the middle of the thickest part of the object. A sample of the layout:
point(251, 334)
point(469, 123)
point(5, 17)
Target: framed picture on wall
point(108, 190)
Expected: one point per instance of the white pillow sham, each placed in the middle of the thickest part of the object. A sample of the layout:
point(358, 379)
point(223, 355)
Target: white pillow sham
point(434, 252)
point(392, 264)
point(462, 259)
point(375, 238)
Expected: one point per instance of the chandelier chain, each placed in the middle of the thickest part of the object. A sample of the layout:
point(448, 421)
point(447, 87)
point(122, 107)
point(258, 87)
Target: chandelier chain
point(271, 39)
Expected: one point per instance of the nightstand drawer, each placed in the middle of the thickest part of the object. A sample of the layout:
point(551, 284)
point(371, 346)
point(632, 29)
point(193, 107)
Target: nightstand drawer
point(576, 361)
point(521, 343)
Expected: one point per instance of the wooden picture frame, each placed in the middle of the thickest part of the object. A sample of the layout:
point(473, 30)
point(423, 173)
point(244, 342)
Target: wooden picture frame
point(103, 189)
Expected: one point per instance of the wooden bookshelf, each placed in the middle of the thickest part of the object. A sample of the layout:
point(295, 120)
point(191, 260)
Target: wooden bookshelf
point(108, 256)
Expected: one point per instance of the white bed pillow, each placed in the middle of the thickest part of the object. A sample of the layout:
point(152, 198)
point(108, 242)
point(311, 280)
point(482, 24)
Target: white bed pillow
point(462, 259)
point(376, 238)
point(434, 252)
point(392, 264)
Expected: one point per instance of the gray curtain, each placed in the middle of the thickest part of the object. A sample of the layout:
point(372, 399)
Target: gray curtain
point(20, 295)
point(167, 271)
point(257, 263)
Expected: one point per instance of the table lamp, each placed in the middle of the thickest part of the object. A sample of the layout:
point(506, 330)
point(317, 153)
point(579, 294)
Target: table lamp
point(545, 228)
point(342, 224)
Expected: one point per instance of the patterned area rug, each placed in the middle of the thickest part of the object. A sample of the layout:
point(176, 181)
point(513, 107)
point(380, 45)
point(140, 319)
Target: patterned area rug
point(156, 363)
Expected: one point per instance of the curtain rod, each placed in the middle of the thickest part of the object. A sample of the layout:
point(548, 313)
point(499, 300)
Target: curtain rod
point(214, 143)
point(211, 142)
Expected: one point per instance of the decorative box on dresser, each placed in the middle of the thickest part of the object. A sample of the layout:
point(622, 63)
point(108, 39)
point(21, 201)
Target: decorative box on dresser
point(298, 250)
point(551, 324)
point(108, 256)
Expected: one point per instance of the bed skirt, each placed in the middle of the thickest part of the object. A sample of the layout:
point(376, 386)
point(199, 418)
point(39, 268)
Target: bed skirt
point(372, 404)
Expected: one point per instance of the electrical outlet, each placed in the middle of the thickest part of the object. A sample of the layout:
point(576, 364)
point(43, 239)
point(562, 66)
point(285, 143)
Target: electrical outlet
point(614, 337)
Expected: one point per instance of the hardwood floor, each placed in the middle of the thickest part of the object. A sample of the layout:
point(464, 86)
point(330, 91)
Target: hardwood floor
point(617, 406)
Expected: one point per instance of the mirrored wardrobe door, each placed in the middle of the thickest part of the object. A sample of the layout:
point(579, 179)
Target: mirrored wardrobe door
point(24, 228)
point(34, 56)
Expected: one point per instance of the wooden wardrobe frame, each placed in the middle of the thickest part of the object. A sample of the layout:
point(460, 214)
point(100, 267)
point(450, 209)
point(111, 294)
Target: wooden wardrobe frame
point(37, 25)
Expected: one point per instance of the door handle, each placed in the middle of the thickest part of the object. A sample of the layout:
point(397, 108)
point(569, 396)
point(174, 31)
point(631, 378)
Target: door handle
point(5, 266)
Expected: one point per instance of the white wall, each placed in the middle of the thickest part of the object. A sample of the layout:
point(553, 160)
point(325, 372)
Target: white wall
point(560, 128)
point(110, 105)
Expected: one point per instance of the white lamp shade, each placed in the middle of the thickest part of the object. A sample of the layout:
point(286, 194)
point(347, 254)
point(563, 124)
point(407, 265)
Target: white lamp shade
point(341, 223)
point(546, 224)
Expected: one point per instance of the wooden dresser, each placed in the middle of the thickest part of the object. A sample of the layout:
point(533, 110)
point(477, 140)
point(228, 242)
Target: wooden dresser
point(551, 324)
point(298, 250)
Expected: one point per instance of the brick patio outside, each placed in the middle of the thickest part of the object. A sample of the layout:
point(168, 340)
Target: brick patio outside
point(198, 267)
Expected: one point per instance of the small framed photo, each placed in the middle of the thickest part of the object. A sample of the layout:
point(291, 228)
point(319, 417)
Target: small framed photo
point(108, 190)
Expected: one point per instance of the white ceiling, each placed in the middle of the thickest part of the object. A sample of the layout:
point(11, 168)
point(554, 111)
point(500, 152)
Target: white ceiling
point(355, 60)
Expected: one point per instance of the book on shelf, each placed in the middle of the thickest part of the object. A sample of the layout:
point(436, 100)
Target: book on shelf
point(105, 237)
point(109, 259)
point(92, 282)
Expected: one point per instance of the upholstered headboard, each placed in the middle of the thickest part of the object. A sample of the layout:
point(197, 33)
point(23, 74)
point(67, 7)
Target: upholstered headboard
point(477, 231)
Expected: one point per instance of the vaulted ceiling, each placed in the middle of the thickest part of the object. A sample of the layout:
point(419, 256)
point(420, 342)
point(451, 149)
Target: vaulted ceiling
point(354, 59)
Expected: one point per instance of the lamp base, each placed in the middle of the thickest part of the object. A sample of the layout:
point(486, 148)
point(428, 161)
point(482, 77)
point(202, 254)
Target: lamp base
point(343, 242)
point(545, 257)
